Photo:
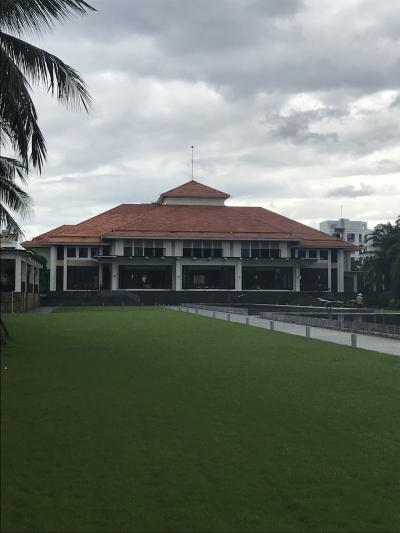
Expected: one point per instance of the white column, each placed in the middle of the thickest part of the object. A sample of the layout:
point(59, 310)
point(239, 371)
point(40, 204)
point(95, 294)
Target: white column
point(24, 275)
point(18, 273)
point(226, 248)
point(238, 276)
point(329, 270)
point(283, 247)
point(178, 248)
point(53, 267)
point(100, 276)
point(355, 282)
point(296, 278)
point(65, 270)
point(237, 249)
point(114, 276)
point(340, 271)
point(178, 275)
point(118, 247)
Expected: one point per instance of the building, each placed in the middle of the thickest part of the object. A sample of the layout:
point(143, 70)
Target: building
point(189, 240)
point(353, 231)
point(19, 277)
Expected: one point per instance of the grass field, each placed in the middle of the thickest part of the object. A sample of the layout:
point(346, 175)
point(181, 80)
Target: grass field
point(152, 420)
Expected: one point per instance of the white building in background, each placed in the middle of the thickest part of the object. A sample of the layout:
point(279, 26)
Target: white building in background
point(354, 231)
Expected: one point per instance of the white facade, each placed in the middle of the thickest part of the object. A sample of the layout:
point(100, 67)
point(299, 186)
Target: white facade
point(354, 231)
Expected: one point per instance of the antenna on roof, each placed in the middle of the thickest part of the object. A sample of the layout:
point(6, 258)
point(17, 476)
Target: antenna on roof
point(192, 147)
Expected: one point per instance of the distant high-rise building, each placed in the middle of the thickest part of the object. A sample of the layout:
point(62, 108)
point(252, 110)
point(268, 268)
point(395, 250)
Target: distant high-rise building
point(354, 231)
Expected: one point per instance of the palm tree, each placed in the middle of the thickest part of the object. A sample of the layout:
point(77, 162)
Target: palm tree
point(382, 266)
point(22, 66)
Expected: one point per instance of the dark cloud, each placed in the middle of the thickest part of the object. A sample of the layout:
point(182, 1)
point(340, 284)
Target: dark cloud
point(280, 98)
point(350, 191)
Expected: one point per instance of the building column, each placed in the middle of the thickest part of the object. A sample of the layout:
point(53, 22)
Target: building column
point(340, 271)
point(65, 270)
point(24, 275)
point(17, 275)
point(238, 276)
point(178, 275)
point(329, 270)
point(114, 276)
point(53, 268)
point(296, 278)
point(355, 282)
point(37, 278)
point(100, 276)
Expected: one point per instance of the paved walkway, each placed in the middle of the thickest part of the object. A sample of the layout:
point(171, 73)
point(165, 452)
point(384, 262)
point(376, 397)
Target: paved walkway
point(43, 310)
point(368, 342)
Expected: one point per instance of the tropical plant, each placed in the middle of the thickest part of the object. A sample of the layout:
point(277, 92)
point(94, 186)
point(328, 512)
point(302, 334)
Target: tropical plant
point(23, 65)
point(381, 266)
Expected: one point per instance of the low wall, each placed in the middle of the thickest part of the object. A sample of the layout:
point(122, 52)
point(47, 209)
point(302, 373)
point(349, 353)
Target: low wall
point(18, 302)
point(170, 297)
point(221, 309)
point(357, 325)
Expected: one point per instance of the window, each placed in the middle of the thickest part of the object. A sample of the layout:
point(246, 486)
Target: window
point(107, 250)
point(71, 252)
point(83, 252)
point(351, 237)
point(94, 252)
point(360, 239)
point(199, 248)
point(323, 255)
point(301, 254)
point(138, 248)
point(293, 253)
point(128, 252)
point(262, 249)
point(334, 256)
point(60, 253)
point(312, 254)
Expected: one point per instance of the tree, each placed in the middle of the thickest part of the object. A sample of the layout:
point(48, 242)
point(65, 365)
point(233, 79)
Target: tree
point(22, 66)
point(382, 266)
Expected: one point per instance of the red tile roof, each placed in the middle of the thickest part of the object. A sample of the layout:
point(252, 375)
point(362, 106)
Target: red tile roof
point(194, 189)
point(188, 222)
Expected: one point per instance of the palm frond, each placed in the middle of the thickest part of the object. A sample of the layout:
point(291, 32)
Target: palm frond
point(41, 67)
point(18, 114)
point(10, 169)
point(8, 222)
point(12, 197)
point(38, 15)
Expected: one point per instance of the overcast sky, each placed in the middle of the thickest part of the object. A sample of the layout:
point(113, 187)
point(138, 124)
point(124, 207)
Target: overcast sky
point(293, 105)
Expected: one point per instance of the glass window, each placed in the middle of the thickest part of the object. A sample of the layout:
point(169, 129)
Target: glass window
point(71, 252)
point(107, 250)
point(312, 254)
point(245, 249)
point(94, 251)
point(323, 254)
point(334, 255)
point(293, 253)
point(351, 237)
point(138, 248)
point(83, 252)
point(302, 253)
point(149, 248)
point(60, 253)
point(275, 252)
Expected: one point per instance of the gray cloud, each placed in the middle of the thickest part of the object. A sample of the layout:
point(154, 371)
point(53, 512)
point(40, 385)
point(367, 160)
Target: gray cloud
point(350, 191)
point(283, 99)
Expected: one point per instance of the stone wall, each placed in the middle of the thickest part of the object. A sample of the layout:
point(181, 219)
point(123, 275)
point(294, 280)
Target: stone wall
point(18, 302)
point(357, 325)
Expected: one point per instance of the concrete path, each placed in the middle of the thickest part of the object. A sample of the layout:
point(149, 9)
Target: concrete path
point(368, 342)
point(43, 310)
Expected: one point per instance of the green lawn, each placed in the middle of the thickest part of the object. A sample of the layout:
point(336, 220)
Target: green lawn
point(154, 420)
